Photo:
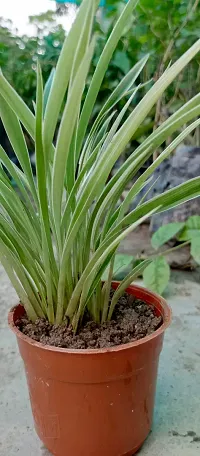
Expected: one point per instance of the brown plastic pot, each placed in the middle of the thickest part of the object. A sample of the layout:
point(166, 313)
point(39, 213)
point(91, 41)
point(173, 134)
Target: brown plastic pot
point(94, 402)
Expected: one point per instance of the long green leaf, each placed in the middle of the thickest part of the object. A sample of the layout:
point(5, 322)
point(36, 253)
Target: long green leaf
point(18, 245)
point(165, 154)
point(17, 140)
point(101, 69)
point(133, 275)
point(122, 137)
point(6, 261)
point(20, 218)
point(47, 249)
point(123, 173)
point(20, 179)
point(90, 271)
point(80, 180)
point(48, 88)
point(17, 105)
point(65, 136)
point(31, 304)
point(121, 91)
point(169, 199)
point(62, 74)
point(158, 137)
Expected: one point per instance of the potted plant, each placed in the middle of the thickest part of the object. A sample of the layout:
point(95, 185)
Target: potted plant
point(90, 350)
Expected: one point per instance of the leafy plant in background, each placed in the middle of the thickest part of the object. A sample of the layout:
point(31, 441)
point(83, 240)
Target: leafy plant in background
point(157, 274)
point(18, 60)
point(58, 235)
point(19, 54)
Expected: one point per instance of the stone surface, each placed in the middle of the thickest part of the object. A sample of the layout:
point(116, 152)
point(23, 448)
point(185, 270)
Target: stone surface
point(183, 165)
point(178, 392)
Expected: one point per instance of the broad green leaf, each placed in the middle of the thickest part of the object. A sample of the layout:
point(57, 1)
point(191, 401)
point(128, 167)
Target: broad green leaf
point(191, 229)
point(165, 233)
point(157, 274)
point(193, 222)
point(122, 61)
point(121, 262)
point(195, 248)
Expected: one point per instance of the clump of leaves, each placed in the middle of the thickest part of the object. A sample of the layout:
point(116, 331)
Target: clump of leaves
point(59, 234)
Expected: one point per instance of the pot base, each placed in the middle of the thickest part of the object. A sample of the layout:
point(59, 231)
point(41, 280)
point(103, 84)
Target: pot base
point(130, 453)
point(134, 451)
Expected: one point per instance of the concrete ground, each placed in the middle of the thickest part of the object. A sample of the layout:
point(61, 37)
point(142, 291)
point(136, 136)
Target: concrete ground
point(176, 429)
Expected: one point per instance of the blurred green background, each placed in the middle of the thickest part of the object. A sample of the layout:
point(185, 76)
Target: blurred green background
point(164, 29)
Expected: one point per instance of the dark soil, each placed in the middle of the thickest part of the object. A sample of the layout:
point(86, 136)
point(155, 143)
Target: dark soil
point(132, 320)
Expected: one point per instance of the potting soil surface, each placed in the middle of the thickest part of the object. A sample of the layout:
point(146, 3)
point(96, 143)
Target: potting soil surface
point(132, 320)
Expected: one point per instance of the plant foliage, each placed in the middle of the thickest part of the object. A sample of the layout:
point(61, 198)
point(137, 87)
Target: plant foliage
point(60, 233)
point(156, 276)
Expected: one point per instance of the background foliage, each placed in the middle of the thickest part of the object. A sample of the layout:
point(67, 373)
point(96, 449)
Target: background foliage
point(157, 274)
point(162, 29)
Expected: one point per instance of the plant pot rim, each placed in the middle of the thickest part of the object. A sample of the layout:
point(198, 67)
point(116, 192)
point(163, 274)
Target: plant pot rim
point(166, 315)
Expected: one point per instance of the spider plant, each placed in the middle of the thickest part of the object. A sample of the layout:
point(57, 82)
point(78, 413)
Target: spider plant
point(59, 233)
